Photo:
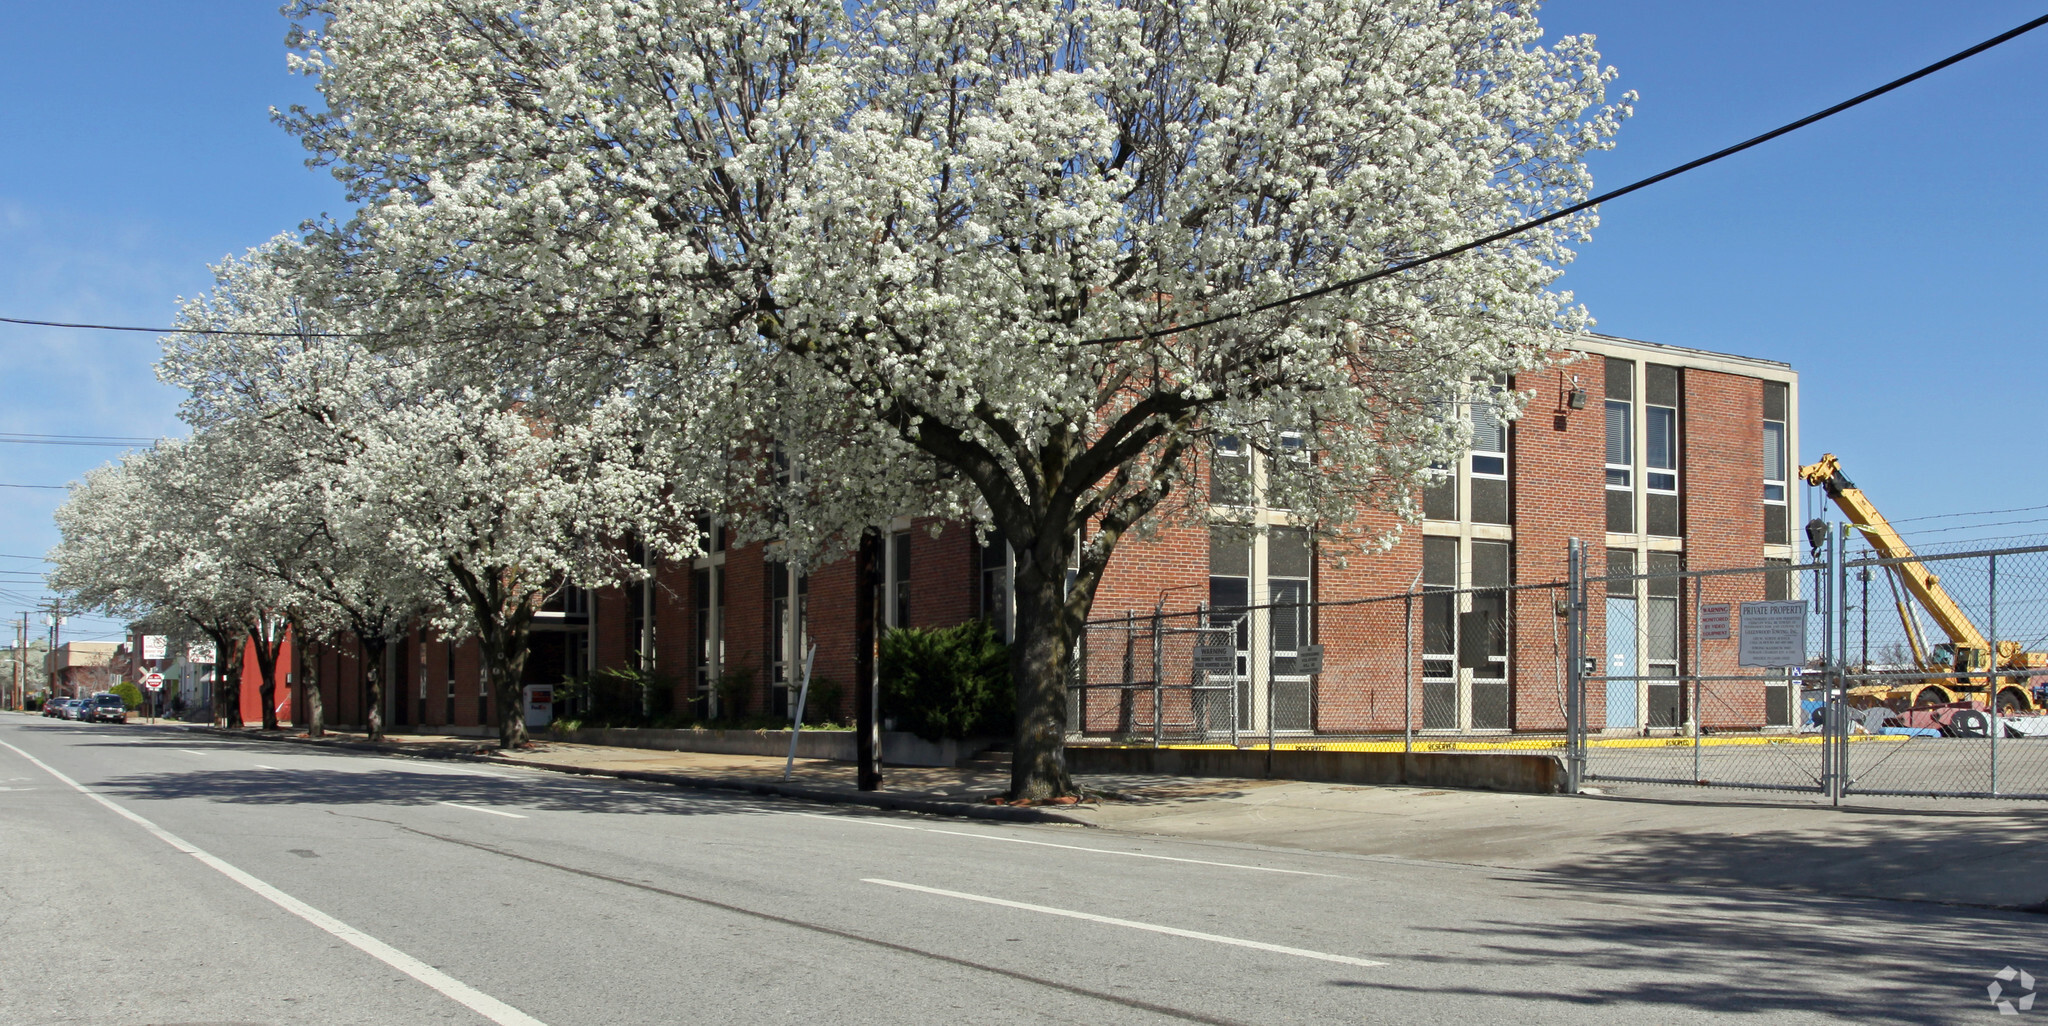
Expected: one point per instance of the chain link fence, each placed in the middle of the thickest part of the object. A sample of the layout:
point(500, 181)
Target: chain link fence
point(1840, 676)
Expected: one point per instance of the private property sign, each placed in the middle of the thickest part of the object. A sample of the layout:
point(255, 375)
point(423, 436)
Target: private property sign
point(1773, 634)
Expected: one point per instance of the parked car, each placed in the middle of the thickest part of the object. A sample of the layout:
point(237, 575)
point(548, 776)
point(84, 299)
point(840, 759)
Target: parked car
point(53, 707)
point(106, 707)
point(75, 709)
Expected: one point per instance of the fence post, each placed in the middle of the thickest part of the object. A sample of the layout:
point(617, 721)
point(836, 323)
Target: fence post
point(1158, 677)
point(1408, 672)
point(1836, 728)
point(1991, 673)
point(1575, 683)
point(1698, 588)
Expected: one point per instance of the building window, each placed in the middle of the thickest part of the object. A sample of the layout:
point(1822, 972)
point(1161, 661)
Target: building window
point(895, 604)
point(639, 604)
point(997, 597)
point(1489, 462)
point(1661, 641)
point(1230, 473)
point(1777, 466)
point(1230, 582)
point(1660, 449)
point(788, 593)
point(1621, 457)
point(1464, 634)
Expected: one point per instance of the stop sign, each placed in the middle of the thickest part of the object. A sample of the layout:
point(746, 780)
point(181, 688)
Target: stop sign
point(153, 681)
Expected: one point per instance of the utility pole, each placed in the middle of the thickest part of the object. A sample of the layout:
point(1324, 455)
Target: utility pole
point(56, 632)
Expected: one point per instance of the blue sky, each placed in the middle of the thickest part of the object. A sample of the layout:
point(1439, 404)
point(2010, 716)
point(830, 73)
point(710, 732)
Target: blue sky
point(1893, 255)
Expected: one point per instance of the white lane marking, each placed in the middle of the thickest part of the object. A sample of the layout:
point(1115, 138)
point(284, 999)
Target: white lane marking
point(448, 986)
point(1132, 854)
point(1172, 931)
point(864, 821)
point(189, 751)
point(859, 820)
point(479, 808)
point(261, 766)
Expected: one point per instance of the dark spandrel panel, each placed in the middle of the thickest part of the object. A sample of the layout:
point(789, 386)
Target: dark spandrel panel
point(1288, 553)
point(1489, 501)
point(1775, 400)
point(1621, 378)
point(1621, 512)
point(1666, 707)
point(1489, 564)
point(1439, 625)
point(1621, 563)
point(1777, 583)
point(1440, 500)
point(1777, 705)
point(1663, 563)
point(1662, 515)
point(1440, 561)
point(1439, 705)
point(1230, 551)
point(1490, 705)
point(1660, 385)
point(1777, 519)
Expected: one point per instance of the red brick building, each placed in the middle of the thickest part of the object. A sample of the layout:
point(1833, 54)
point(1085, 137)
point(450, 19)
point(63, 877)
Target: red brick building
point(1657, 457)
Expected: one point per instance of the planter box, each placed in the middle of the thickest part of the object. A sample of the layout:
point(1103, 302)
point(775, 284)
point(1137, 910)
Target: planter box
point(899, 748)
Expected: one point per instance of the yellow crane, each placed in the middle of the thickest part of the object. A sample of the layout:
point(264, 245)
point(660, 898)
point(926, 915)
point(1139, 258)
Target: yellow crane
point(1966, 652)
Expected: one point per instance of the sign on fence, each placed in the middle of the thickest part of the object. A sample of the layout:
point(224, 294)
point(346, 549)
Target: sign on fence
point(1309, 660)
point(1216, 658)
point(1714, 621)
point(1773, 634)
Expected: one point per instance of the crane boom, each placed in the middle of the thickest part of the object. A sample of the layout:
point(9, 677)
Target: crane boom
point(1922, 583)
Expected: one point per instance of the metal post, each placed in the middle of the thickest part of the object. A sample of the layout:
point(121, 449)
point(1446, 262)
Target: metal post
point(1698, 586)
point(1408, 673)
point(1575, 681)
point(796, 719)
point(1158, 675)
point(1991, 674)
point(1838, 719)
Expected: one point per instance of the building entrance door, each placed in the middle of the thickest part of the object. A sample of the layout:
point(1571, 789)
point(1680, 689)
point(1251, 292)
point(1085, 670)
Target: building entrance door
point(1621, 663)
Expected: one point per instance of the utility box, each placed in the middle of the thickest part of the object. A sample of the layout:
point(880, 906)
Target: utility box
point(540, 705)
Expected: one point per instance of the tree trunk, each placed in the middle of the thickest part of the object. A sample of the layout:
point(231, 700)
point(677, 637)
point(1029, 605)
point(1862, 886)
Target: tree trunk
point(266, 672)
point(309, 689)
point(504, 648)
point(227, 691)
point(1038, 665)
point(373, 649)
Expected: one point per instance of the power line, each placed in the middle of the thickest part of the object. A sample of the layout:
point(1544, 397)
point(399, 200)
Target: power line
point(1976, 513)
point(176, 331)
point(57, 487)
point(39, 559)
point(1643, 183)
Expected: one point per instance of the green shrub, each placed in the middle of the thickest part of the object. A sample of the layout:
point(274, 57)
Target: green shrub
point(948, 682)
point(620, 698)
point(735, 689)
point(131, 696)
point(822, 705)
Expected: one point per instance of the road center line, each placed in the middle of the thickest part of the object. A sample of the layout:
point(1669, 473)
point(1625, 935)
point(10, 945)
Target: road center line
point(1171, 931)
point(448, 986)
point(479, 808)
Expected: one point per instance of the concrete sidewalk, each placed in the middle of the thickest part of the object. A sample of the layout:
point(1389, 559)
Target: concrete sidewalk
point(1964, 852)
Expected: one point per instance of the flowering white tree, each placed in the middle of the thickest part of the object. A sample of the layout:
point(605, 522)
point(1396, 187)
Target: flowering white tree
point(942, 252)
point(143, 538)
point(377, 492)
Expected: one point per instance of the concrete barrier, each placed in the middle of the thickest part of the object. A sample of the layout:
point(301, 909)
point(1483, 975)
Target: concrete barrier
point(899, 748)
point(1519, 773)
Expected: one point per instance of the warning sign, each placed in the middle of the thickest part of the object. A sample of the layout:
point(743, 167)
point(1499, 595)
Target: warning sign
point(1216, 658)
point(1773, 634)
point(1714, 621)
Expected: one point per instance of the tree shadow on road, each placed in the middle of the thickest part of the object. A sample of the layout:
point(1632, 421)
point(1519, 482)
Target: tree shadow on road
point(401, 786)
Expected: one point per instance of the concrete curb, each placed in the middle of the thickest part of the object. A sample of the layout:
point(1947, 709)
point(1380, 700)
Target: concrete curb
point(834, 796)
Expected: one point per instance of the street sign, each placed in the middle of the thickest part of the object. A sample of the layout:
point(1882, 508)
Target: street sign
point(153, 681)
point(1773, 634)
point(199, 652)
point(1216, 658)
point(1714, 621)
point(153, 646)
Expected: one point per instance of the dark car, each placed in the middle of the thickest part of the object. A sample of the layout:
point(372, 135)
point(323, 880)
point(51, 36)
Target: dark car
point(105, 708)
point(53, 707)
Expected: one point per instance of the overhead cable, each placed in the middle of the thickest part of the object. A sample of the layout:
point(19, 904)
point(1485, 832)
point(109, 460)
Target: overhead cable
point(1644, 183)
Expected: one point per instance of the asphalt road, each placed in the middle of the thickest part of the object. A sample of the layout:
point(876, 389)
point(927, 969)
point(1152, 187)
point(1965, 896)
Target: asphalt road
point(208, 880)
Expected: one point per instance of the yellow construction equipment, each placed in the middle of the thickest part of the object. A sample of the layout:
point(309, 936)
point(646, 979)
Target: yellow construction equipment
point(1965, 653)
